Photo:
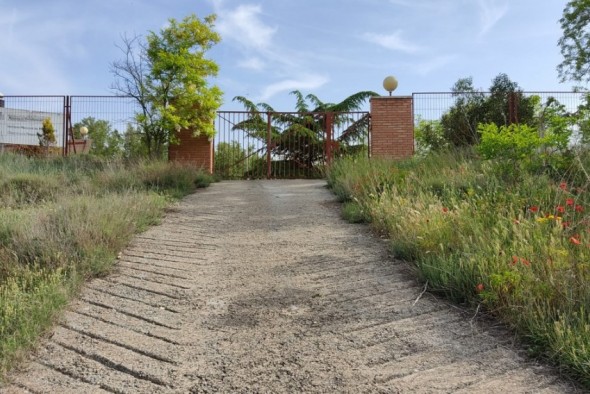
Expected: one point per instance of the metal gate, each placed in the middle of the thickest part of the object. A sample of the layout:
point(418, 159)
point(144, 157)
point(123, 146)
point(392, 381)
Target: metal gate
point(256, 145)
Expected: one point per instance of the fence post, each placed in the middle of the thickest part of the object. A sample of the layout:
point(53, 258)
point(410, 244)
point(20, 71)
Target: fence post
point(512, 108)
point(268, 145)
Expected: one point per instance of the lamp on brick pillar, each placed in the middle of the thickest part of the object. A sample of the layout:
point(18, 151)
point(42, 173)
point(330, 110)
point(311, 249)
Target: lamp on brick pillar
point(84, 132)
point(390, 84)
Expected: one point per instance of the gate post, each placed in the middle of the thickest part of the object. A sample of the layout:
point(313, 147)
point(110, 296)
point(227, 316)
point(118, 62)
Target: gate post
point(197, 151)
point(329, 121)
point(268, 145)
point(392, 127)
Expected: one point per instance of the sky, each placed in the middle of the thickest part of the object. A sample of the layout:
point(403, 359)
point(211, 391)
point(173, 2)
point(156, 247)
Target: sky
point(331, 48)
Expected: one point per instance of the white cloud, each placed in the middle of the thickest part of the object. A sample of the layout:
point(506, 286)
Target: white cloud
point(253, 63)
point(244, 25)
point(310, 82)
point(31, 52)
point(434, 64)
point(392, 41)
point(490, 13)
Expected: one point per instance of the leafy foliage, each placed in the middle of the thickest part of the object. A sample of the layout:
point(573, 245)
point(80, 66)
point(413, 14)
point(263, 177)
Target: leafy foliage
point(47, 135)
point(234, 162)
point(574, 43)
point(106, 142)
point(298, 138)
point(167, 75)
point(472, 107)
point(430, 136)
point(518, 147)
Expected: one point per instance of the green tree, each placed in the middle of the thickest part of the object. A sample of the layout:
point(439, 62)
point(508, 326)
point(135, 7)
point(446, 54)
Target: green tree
point(105, 141)
point(460, 124)
point(575, 42)
point(167, 74)
point(429, 136)
point(298, 138)
point(133, 146)
point(232, 161)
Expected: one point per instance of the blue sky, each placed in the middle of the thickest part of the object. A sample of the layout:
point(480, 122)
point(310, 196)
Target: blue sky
point(331, 48)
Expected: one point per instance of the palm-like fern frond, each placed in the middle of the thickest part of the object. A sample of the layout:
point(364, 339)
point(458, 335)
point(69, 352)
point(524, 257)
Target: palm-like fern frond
point(353, 102)
point(249, 105)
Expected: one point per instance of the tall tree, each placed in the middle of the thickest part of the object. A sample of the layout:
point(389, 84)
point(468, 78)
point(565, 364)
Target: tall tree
point(472, 107)
point(105, 141)
point(167, 74)
point(575, 42)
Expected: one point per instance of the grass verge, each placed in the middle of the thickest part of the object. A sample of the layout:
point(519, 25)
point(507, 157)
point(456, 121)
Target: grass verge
point(517, 245)
point(62, 221)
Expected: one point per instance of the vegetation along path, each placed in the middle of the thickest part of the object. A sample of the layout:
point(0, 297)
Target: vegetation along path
point(259, 286)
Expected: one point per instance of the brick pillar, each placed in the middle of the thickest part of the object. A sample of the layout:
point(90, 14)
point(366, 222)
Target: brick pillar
point(197, 151)
point(392, 127)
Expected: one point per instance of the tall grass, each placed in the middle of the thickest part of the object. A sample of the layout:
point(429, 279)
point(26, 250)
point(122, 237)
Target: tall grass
point(519, 246)
point(63, 220)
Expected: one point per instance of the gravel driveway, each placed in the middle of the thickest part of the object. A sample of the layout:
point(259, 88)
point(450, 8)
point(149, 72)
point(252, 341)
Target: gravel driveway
point(260, 287)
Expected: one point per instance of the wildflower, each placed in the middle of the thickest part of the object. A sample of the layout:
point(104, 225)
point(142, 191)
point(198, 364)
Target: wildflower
point(569, 202)
point(542, 220)
point(563, 186)
point(560, 209)
point(445, 209)
point(579, 208)
point(516, 259)
point(575, 241)
point(534, 208)
point(479, 288)
point(565, 224)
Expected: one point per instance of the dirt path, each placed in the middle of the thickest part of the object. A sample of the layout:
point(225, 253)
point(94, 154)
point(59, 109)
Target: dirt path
point(260, 287)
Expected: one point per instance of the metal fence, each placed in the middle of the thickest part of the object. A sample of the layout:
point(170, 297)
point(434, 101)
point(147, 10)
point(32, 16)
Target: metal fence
point(433, 105)
point(454, 117)
point(285, 144)
point(21, 118)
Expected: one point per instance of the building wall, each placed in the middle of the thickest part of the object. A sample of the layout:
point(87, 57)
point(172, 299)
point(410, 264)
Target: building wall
point(197, 151)
point(392, 127)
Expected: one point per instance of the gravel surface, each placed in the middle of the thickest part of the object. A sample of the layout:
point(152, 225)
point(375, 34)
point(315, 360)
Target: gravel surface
point(260, 287)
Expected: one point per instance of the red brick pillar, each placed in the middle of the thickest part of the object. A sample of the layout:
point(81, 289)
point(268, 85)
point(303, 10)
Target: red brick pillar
point(392, 127)
point(197, 151)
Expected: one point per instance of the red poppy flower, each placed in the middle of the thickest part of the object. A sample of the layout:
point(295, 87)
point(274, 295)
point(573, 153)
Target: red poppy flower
point(560, 209)
point(569, 202)
point(445, 209)
point(514, 260)
point(579, 208)
point(565, 224)
point(525, 262)
point(563, 186)
point(480, 287)
point(575, 241)
point(534, 208)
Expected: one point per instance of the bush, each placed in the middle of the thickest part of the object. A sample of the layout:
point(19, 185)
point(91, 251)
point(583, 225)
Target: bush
point(520, 147)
